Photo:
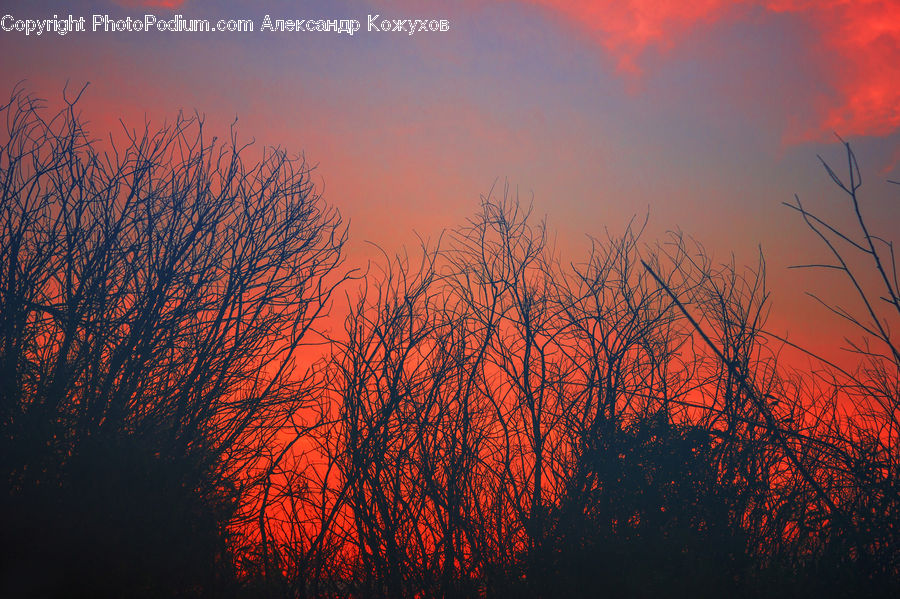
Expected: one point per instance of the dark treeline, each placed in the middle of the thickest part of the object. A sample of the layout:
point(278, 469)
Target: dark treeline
point(487, 421)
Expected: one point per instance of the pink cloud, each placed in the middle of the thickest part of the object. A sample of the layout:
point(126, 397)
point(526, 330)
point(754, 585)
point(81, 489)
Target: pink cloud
point(864, 38)
point(858, 46)
point(626, 28)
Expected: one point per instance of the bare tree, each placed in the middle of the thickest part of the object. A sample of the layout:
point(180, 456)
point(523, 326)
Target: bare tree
point(155, 291)
point(863, 437)
point(489, 422)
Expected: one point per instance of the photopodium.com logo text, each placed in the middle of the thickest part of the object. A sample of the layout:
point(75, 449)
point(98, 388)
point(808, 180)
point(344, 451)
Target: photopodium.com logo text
point(180, 24)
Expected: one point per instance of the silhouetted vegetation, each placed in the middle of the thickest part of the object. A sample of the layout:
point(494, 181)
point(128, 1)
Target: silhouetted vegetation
point(489, 422)
point(153, 298)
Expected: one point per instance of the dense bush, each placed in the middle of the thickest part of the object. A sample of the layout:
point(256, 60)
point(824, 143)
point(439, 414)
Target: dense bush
point(489, 422)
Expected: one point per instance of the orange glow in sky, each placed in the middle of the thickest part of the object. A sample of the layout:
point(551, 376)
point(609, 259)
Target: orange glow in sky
point(706, 115)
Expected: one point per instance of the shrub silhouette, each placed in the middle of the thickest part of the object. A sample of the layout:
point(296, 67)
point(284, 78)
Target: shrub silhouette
point(490, 422)
point(647, 517)
point(155, 290)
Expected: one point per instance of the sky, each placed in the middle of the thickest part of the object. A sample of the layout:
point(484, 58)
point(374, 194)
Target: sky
point(704, 115)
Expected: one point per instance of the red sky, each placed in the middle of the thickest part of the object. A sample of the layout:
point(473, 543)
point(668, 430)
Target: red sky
point(855, 43)
point(708, 114)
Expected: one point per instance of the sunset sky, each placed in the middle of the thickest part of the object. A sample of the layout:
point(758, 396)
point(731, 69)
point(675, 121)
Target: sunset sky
point(706, 117)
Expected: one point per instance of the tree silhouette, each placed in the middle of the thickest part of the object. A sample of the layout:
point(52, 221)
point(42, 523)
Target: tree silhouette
point(155, 291)
point(490, 421)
